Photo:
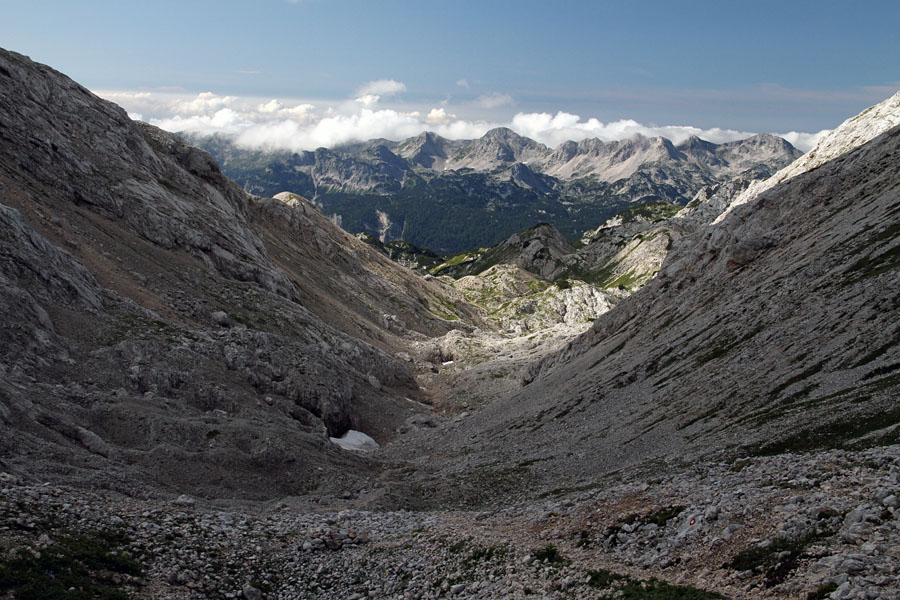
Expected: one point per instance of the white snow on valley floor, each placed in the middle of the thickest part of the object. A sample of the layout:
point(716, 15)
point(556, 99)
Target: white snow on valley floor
point(355, 440)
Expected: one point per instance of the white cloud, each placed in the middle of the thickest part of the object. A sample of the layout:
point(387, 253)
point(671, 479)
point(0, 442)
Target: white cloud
point(553, 130)
point(272, 106)
point(368, 99)
point(203, 104)
point(274, 109)
point(372, 92)
point(382, 87)
point(439, 116)
point(127, 95)
point(224, 120)
point(462, 83)
point(493, 100)
point(296, 125)
point(301, 112)
point(332, 130)
point(804, 141)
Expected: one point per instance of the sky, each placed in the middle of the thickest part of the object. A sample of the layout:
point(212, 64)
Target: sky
point(307, 73)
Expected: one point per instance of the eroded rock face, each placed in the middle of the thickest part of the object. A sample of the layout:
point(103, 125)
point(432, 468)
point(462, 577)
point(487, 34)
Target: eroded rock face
point(710, 202)
point(89, 152)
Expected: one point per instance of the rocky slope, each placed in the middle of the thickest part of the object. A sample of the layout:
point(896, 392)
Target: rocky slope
point(163, 328)
point(610, 161)
point(496, 148)
point(822, 526)
point(536, 249)
point(774, 330)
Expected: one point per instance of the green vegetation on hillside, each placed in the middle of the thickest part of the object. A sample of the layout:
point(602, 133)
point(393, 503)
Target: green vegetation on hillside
point(649, 211)
point(88, 566)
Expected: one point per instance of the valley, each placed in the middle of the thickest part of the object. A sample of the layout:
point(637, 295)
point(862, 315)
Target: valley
point(673, 375)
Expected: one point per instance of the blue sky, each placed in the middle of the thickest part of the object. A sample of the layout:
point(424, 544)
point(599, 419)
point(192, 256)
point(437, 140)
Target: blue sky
point(734, 66)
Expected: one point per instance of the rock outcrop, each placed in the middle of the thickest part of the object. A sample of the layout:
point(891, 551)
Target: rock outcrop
point(537, 249)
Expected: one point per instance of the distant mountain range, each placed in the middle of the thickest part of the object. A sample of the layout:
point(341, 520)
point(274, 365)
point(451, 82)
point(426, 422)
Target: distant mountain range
point(455, 195)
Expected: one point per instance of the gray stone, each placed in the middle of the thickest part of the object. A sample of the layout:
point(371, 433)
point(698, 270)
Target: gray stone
point(857, 515)
point(221, 318)
point(251, 593)
point(852, 566)
point(730, 530)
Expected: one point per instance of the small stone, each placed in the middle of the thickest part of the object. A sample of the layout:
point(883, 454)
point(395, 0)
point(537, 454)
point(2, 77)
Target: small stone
point(842, 592)
point(852, 566)
point(374, 382)
point(855, 516)
point(730, 530)
point(251, 593)
point(457, 588)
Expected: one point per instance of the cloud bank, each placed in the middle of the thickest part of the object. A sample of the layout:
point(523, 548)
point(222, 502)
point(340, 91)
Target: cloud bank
point(280, 124)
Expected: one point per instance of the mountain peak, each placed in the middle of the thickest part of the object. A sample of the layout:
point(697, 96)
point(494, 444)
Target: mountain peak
point(502, 133)
point(766, 140)
point(696, 144)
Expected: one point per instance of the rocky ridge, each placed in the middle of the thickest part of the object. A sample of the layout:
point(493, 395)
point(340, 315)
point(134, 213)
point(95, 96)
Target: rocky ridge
point(850, 134)
point(617, 258)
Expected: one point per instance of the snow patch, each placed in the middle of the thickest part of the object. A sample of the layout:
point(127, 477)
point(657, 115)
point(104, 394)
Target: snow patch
point(355, 440)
